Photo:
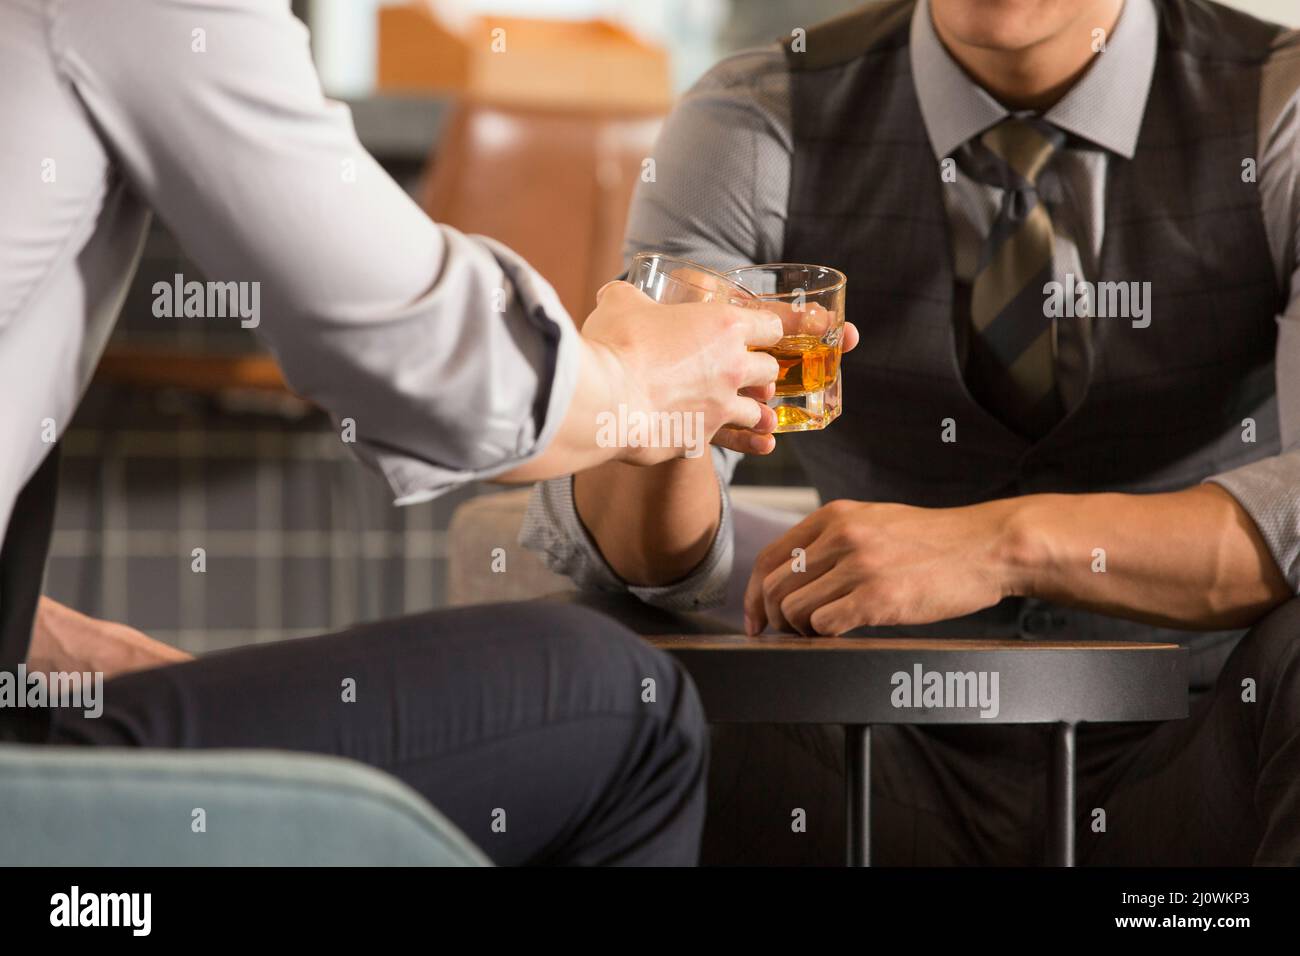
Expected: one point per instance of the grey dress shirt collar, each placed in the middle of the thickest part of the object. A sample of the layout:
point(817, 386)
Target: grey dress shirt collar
point(1105, 107)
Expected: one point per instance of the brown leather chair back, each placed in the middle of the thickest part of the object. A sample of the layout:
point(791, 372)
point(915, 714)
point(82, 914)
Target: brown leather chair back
point(552, 185)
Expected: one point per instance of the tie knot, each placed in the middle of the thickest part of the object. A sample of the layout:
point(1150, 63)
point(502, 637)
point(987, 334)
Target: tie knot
point(1023, 145)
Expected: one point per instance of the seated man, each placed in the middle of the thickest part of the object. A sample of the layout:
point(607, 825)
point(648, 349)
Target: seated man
point(212, 116)
point(1070, 235)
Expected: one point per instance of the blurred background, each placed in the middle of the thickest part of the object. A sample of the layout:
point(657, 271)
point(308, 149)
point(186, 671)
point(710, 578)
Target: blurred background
point(188, 437)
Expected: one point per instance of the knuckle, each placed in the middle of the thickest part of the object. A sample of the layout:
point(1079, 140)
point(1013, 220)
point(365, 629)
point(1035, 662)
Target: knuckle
point(862, 565)
point(772, 580)
point(847, 536)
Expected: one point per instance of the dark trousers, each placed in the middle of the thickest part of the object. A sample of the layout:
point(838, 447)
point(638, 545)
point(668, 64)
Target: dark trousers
point(542, 718)
point(1221, 787)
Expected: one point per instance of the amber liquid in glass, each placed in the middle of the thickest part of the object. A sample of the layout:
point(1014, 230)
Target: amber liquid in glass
point(807, 365)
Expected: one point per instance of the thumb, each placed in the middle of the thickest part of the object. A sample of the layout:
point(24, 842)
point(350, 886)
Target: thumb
point(616, 288)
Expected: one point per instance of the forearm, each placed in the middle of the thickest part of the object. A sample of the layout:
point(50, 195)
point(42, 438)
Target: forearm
point(1191, 559)
point(653, 525)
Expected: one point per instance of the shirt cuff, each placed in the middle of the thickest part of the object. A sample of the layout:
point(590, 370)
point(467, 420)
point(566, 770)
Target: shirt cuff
point(553, 529)
point(1269, 490)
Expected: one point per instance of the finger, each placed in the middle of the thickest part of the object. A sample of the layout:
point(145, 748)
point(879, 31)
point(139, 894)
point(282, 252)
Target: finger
point(755, 614)
point(705, 280)
point(759, 393)
point(768, 559)
point(801, 605)
point(787, 312)
point(766, 423)
point(761, 369)
point(836, 616)
point(799, 535)
point(850, 337)
point(761, 328)
point(810, 318)
point(744, 441)
point(791, 575)
point(771, 606)
point(745, 413)
point(618, 290)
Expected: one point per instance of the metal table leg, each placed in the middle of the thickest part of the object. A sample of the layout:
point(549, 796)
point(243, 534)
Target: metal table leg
point(857, 792)
point(1060, 797)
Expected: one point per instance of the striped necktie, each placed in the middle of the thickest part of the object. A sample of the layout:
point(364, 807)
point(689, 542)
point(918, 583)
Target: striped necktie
point(1010, 367)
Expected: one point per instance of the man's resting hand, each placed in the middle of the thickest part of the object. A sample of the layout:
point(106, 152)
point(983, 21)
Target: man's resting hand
point(65, 640)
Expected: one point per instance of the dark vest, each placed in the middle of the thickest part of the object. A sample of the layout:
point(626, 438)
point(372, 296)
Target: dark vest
point(1164, 404)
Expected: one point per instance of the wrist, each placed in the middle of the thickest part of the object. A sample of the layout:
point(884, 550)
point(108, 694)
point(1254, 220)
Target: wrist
point(617, 388)
point(604, 387)
point(1021, 551)
point(605, 370)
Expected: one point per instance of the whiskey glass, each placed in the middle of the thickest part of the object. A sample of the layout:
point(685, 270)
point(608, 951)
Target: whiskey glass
point(809, 299)
point(670, 280)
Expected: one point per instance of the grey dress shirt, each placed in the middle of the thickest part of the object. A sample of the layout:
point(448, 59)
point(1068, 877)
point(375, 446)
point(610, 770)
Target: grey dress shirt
point(454, 359)
point(722, 184)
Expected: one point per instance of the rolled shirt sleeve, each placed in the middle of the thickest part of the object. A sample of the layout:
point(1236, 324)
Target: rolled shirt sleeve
point(451, 359)
point(1269, 489)
point(506, 393)
point(553, 529)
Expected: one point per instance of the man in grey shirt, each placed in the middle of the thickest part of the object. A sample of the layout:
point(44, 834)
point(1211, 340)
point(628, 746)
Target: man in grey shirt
point(774, 156)
point(450, 359)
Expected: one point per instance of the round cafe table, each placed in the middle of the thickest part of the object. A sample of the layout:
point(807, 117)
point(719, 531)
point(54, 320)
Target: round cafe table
point(858, 682)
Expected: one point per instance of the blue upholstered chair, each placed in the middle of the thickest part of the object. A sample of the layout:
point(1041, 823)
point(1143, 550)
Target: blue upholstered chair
point(100, 807)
